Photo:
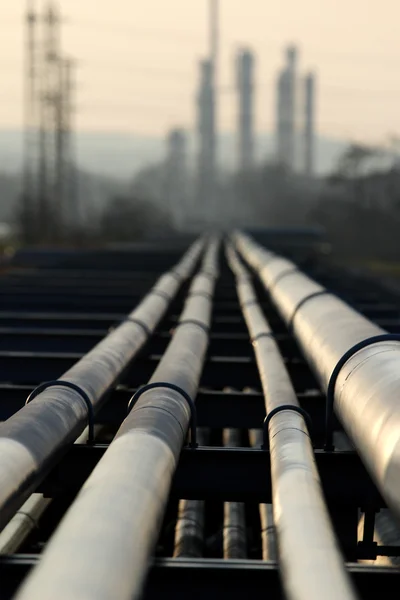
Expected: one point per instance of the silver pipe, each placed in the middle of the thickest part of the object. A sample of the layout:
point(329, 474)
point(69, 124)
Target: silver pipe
point(268, 534)
point(27, 518)
point(189, 531)
point(234, 532)
point(310, 560)
point(22, 524)
point(368, 385)
point(102, 548)
point(33, 438)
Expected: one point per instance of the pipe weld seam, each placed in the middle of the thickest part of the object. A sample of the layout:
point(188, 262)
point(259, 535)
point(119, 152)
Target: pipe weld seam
point(72, 386)
point(282, 275)
point(139, 323)
point(175, 388)
point(330, 391)
point(291, 429)
point(279, 409)
point(202, 326)
point(263, 334)
point(176, 276)
point(302, 303)
point(162, 295)
point(209, 275)
point(200, 295)
point(248, 303)
point(25, 513)
point(163, 410)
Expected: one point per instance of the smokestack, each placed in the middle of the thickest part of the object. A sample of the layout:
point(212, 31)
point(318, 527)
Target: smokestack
point(245, 84)
point(175, 176)
point(309, 124)
point(286, 110)
point(206, 137)
point(291, 59)
point(284, 121)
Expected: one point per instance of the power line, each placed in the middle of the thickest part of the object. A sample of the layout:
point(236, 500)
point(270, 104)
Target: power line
point(119, 27)
point(48, 117)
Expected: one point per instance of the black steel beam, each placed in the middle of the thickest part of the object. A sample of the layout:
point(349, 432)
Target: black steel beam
point(220, 371)
point(238, 579)
point(72, 340)
point(245, 474)
point(34, 339)
point(82, 320)
point(215, 579)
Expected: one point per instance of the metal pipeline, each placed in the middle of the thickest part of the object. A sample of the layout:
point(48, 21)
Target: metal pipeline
point(368, 384)
point(235, 534)
point(268, 534)
point(103, 546)
point(34, 438)
point(189, 531)
point(310, 561)
point(27, 518)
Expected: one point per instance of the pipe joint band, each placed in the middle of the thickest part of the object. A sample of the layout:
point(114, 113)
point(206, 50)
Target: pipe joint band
point(205, 295)
point(263, 334)
point(279, 409)
point(281, 276)
point(209, 275)
point(253, 302)
point(176, 276)
point(139, 323)
point(194, 322)
point(330, 393)
point(72, 386)
point(175, 388)
point(302, 303)
point(161, 294)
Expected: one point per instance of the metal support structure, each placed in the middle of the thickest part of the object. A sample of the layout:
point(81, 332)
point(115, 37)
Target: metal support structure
point(27, 518)
point(234, 534)
point(37, 435)
point(111, 520)
point(189, 531)
point(110, 556)
point(30, 182)
point(47, 151)
point(268, 533)
point(306, 541)
point(367, 386)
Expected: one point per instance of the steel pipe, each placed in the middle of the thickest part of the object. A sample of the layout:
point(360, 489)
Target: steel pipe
point(22, 524)
point(26, 519)
point(103, 546)
point(310, 560)
point(268, 534)
point(189, 531)
point(234, 533)
point(368, 384)
point(33, 439)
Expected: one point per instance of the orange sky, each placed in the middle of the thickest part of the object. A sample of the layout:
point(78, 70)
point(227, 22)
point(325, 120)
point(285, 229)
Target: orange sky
point(138, 60)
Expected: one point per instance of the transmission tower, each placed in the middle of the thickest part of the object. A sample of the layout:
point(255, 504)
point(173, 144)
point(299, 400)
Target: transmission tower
point(50, 147)
point(30, 158)
point(48, 110)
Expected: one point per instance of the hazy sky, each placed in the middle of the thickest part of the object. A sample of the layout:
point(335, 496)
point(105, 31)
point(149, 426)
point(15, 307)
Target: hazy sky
point(138, 60)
